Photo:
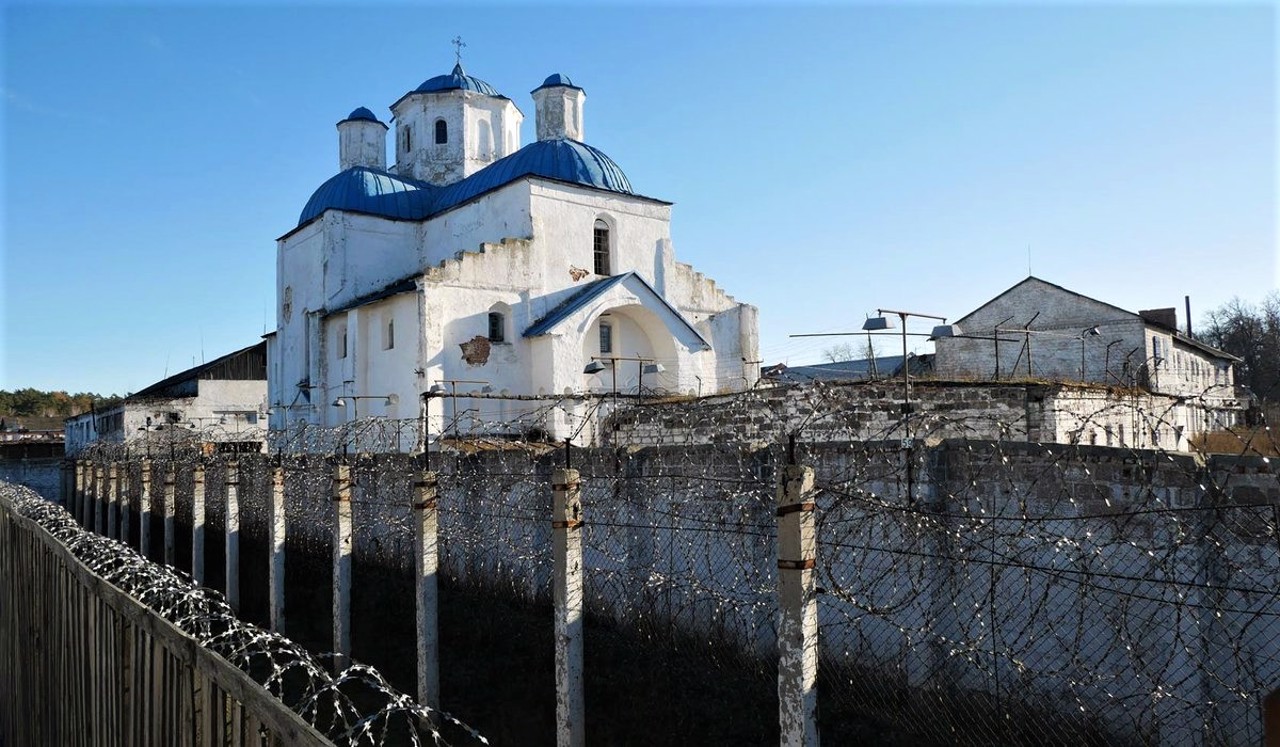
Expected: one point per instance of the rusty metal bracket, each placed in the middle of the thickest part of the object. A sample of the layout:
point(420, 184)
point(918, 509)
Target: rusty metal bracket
point(564, 486)
point(420, 505)
point(794, 507)
point(797, 565)
point(570, 524)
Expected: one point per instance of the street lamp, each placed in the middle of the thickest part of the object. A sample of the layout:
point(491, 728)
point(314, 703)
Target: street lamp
point(389, 399)
point(881, 322)
point(1090, 332)
point(647, 366)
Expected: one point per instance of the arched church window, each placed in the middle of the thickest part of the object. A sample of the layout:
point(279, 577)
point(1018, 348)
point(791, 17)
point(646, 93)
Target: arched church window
point(404, 136)
point(389, 335)
point(442, 132)
point(601, 245)
point(606, 337)
point(497, 327)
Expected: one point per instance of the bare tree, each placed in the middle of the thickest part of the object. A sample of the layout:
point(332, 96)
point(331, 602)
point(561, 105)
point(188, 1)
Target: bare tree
point(1253, 333)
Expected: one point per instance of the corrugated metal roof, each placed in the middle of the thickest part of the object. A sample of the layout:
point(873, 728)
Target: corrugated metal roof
point(364, 190)
point(245, 364)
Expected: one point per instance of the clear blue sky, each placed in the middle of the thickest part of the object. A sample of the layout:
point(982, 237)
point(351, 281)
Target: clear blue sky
point(824, 160)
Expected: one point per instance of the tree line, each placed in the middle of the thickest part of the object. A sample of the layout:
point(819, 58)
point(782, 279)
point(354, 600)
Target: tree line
point(1251, 332)
point(31, 402)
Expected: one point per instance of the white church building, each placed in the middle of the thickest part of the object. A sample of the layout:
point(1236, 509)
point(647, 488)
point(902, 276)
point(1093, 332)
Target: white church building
point(475, 264)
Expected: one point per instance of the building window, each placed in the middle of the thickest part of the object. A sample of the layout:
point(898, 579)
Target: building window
point(497, 327)
point(342, 341)
point(389, 335)
point(606, 337)
point(442, 132)
point(601, 244)
point(406, 139)
point(1155, 347)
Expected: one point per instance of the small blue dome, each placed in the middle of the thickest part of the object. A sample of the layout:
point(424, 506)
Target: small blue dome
point(456, 80)
point(361, 113)
point(556, 80)
point(365, 190)
point(563, 160)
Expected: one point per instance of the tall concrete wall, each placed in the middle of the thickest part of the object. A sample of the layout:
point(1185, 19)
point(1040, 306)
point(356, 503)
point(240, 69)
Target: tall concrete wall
point(1134, 587)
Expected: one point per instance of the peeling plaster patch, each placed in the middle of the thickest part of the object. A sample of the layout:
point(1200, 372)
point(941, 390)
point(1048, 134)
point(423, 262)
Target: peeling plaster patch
point(476, 350)
point(577, 273)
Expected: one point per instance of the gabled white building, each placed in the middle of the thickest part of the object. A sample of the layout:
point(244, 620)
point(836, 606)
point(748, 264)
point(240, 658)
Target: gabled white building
point(507, 268)
point(223, 400)
point(1037, 330)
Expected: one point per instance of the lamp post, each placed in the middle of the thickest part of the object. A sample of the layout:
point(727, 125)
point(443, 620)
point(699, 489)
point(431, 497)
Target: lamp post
point(1106, 359)
point(646, 366)
point(881, 322)
point(453, 397)
point(995, 335)
point(390, 399)
point(1090, 332)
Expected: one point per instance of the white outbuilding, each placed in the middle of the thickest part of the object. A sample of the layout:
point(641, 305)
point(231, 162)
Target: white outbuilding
point(474, 263)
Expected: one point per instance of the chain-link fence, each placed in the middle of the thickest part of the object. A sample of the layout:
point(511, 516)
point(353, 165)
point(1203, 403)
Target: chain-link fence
point(1009, 564)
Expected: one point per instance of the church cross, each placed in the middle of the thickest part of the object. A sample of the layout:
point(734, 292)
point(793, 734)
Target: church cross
point(458, 44)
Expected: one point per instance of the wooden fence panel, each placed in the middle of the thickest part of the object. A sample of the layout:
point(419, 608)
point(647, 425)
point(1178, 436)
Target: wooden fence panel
point(83, 663)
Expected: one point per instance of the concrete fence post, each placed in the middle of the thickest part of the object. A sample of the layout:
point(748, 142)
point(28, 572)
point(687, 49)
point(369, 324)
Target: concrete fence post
point(198, 514)
point(342, 565)
point(125, 519)
point(426, 553)
point(566, 526)
point(99, 499)
point(276, 528)
point(798, 602)
point(144, 511)
point(170, 512)
point(233, 535)
point(113, 500)
point(78, 496)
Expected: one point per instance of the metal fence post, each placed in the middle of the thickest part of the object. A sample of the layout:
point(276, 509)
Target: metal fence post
point(342, 565)
point(170, 512)
point(144, 510)
point(426, 566)
point(275, 573)
point(797, 600)
point(233, 535)
point(197, 524)
point(566, 525)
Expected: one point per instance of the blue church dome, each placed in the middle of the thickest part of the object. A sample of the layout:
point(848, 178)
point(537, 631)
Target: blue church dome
point(361, 113)
point(556, 79)
point(456, 80)
point(365, 190)
point(563, 160)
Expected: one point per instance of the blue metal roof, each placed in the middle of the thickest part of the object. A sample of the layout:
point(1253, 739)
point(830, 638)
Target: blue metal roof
point(556, 80)
point(589, 292)
point(361, 113)
point(563, 160)
point(574, 302)
point(365, 190)
point(456, 80)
